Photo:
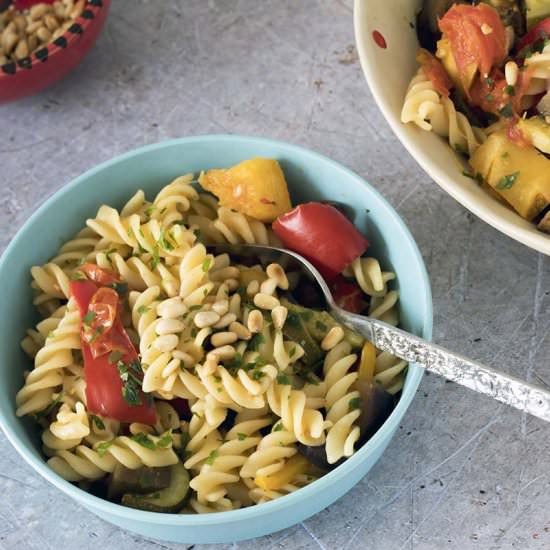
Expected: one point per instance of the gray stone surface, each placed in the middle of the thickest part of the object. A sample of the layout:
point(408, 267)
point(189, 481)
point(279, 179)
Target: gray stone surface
point(462, 471)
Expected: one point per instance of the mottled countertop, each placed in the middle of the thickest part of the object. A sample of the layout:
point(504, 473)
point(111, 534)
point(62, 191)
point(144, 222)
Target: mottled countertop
point(462, 471)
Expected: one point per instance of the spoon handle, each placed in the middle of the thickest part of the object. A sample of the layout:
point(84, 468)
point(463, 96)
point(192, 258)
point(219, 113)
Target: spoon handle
point(452, 366)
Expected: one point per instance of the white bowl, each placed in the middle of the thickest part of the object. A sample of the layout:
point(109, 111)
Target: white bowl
point(388, 72)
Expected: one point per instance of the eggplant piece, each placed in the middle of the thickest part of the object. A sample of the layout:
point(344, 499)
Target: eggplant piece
point(376, 405)
point(169, 499)
point(143, 480)
point(427, 27)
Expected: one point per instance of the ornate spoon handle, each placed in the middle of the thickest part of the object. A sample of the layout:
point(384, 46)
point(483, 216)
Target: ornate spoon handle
point(452, 366)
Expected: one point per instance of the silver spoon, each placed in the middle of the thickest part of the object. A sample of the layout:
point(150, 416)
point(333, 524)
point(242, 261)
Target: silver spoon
point(452, 366)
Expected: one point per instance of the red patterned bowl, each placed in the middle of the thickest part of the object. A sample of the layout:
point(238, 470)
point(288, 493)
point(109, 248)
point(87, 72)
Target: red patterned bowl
point(52, 62)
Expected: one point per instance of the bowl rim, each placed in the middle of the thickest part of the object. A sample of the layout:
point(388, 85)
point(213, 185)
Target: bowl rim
point(194, 520)
point(536, 240)
point(79, 27)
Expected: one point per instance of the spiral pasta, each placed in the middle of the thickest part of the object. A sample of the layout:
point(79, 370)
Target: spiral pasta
point(341, 414)
point(430, 111)
point(238, 373)
point(49, 362)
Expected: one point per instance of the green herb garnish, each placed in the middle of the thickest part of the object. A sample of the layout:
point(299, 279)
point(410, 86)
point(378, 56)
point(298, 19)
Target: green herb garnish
point(278, 427)
point(206, 264)
point(241, 436)
point(143, 309)
point(506, 182)
point(88, 318)
point(510, 90)
point(354, 403)
point(77, 276)
point(102, 447)
point(507, 111)
point(144, 440)
point(212, 457)
point(98, 422)
point(165, 440)
point(256, 341)
point(283, 379)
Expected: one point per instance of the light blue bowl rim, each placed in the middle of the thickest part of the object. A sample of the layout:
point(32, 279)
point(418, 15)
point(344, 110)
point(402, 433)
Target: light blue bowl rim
point(414, 375)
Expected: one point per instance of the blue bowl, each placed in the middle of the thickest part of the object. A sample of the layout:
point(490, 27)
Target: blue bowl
point(310, 177)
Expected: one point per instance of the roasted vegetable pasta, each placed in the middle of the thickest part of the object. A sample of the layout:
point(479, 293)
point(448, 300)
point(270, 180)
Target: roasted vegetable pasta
point(172, 379)
point(483, 85)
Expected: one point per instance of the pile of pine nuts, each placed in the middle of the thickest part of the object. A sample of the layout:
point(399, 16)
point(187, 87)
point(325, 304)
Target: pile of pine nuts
point(23, 32)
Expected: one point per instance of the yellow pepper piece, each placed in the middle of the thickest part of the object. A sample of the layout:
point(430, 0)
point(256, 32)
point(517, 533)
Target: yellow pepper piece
point(294, 467)
point(368, 362)
point(255, 187)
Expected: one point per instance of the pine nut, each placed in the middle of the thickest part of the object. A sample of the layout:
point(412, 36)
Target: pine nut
point(268, 286)
point(169, 369)
point(38, 11)
point(275, 271)
point(226, 320)
point(278, 314)
point(51, 22)
point(22, 50)
point(172, 308)
point(33, 27)
point(20, 23)
point(187, 359)
point(202, 335)
point(253, 288)
point(9, 40)
point(332, 337)
point(221, 307)
point(255, 321)
point(264, 301)
point(206, 318)
point(166, 342)
point(76, 12)
point(59, 10)
point(230, 272)
point(223, 353)
point(240, 330)
point(169, 326)
point(210, 365)
point(511, 73)
point(33, 42)
point(223, 338)
point(44, 34)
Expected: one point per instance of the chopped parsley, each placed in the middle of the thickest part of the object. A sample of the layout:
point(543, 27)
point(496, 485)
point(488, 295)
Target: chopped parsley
point(120, 288)
point(241, 436)
point(212, 457)
point(292, 351)
point(278, 427)
point(149, 210)
point(194, 307)
point(77, 276)
point(507, 111)
point(505, 155)
point(102, 447)
point(283, 379)
point(489, 98)
point(320, 325)
point(256, 341)
point(293, 319)
point(258, 374)
point(164, 441)
point(164, 242)
point(234, 363)
point(144, 440)
point(88, 318)
point(46, 411)
point(354, 403)
point(506, 182)
point(143, 309)
point(306, 315)
point(131, 382)
point(489, 82)
point(98, 422)
point(510, 90)
point(155, 260)
point(206, 264)
point(197, 233)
